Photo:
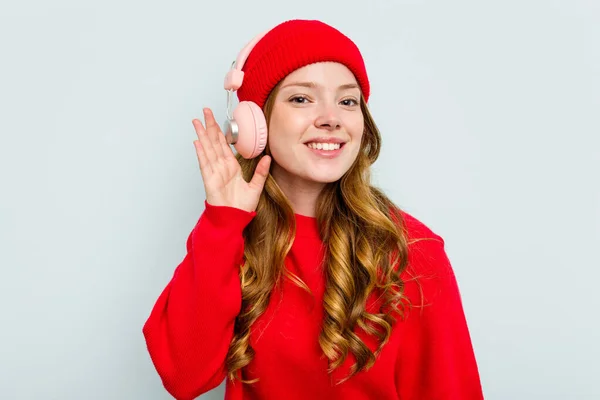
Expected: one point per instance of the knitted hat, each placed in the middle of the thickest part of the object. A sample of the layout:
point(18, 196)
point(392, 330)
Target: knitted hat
point(294, 44)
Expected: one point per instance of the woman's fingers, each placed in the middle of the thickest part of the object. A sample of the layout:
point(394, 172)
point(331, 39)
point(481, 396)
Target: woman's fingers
point(227, 152)
point(205, 167)
point(221, 170)
point(222, 148)
point(205, 142)
point(213, 131)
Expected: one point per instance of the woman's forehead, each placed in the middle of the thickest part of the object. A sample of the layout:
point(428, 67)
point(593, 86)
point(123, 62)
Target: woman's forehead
point(323, 74)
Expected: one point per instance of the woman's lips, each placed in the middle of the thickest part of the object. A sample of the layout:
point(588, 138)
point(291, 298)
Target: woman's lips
point(327, 153)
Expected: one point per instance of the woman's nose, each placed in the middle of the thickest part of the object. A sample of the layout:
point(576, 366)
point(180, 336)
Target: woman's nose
point(328, 117)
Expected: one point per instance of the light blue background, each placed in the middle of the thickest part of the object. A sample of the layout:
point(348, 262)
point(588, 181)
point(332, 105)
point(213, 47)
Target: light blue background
point(490, 117)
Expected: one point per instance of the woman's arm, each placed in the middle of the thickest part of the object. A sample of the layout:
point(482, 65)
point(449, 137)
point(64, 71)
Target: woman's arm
point(436, 359)
point(191, 325)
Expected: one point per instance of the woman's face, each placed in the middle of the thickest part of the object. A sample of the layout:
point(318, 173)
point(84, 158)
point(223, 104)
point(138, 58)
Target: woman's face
point(316, 124)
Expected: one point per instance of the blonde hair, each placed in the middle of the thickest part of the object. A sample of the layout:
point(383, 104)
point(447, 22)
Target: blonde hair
point(366, 251)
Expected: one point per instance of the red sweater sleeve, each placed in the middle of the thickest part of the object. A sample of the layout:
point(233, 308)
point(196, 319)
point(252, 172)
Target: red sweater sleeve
point(191, 324)
point(436, 359)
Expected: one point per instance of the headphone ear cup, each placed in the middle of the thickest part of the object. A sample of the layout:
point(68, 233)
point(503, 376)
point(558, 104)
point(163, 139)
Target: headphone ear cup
point(252, 129)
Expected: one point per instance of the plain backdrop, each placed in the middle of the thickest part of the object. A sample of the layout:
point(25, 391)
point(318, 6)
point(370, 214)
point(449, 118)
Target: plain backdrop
point(490, 116)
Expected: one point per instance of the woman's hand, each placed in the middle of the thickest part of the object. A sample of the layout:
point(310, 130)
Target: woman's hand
point(222, 175)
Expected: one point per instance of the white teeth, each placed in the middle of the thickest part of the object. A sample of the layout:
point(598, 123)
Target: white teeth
point(324, 146)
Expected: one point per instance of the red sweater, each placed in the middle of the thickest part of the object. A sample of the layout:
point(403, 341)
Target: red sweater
point(429, 355)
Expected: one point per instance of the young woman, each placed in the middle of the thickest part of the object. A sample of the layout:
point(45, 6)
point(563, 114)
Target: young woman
point(302, 280)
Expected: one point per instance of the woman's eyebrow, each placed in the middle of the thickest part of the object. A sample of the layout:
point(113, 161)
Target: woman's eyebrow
point(314, 85)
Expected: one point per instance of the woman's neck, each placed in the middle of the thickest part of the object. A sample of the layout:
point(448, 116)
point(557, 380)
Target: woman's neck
point(301, 193)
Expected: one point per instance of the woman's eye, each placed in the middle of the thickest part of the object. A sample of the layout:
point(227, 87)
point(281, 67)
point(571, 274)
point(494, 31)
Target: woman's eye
point(299, 99)
point(349, 102)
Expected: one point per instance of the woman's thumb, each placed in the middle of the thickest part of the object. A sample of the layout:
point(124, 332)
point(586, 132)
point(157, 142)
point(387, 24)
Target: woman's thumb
point(261, 173)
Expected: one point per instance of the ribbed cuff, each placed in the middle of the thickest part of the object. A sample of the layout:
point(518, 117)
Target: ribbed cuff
point(222, 216)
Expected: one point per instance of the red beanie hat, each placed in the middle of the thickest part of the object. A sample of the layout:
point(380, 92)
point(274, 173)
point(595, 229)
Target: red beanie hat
point(294, 44)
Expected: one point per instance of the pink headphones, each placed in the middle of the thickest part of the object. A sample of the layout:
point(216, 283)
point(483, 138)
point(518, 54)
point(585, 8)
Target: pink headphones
point(246, 128)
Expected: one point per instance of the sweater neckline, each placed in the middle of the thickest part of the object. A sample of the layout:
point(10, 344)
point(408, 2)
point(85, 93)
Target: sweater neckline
point(306, 226)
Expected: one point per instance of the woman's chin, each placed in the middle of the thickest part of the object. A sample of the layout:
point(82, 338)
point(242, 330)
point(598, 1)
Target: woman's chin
point(324, 176)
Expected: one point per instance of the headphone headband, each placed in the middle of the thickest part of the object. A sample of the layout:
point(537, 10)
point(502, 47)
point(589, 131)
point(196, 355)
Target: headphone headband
point(235, 76)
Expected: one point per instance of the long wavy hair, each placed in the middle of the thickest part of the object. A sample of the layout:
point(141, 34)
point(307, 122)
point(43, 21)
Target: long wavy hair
point(366, 251)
